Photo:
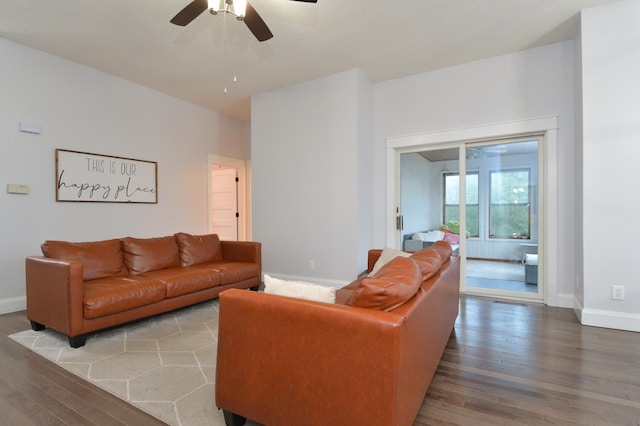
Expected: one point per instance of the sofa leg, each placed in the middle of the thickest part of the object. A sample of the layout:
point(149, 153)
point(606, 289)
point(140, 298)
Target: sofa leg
point(77, 341)
point(255, 287)
point(232, 419)
point(36, 326)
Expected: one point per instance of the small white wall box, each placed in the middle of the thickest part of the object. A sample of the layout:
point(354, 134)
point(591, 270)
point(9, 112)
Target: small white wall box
point(16, 188)
point(29, 128)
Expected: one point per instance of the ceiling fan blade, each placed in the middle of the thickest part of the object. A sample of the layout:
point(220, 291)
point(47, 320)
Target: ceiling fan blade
point(190, 12)
point(256, 24)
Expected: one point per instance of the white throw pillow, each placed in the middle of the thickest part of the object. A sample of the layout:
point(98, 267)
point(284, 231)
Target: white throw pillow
point(385, 257)
point(430, 236)
point(299, 289)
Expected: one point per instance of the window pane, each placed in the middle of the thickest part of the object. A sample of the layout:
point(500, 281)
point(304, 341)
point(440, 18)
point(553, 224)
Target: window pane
point(510, 210)
point(472, 189)
point(507, 220)
point(452, 201)
point(510, 187)
point(452, 189)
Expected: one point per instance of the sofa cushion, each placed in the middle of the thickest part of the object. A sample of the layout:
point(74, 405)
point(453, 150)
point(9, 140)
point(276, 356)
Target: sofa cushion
point(429, 262)
point(110, 295)
point(179, 281)
point(299, 289)
point(99, 258)
point(385, 257)
point(149, 254)
point(196, 249)
point(233, 272)
point(394, 284)
point(443, 248)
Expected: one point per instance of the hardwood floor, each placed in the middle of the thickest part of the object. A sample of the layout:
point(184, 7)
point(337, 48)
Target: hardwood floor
point(34, 391)
point(509, 364)
point(505, 364)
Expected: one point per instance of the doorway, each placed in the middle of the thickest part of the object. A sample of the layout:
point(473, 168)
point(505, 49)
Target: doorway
point(228, 194)
point(223, 204)
point(496, 189)
point(501, 239)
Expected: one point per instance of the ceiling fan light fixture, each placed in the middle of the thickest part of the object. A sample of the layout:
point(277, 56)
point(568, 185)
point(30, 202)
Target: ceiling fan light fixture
point(213, 6)
point(239, 9)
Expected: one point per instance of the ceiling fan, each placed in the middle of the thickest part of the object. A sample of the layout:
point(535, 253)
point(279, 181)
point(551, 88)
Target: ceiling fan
point(241, 9)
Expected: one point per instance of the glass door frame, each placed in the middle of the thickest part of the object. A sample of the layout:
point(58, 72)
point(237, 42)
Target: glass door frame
point(539, 205)
point(548, 166)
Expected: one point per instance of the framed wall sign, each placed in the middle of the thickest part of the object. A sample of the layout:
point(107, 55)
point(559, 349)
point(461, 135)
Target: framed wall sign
point(81, 176)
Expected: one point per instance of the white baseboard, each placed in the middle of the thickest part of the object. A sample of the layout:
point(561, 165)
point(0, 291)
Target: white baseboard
point(564, 301)
point(313, 280)
point(606, 319)
point(610, 319)
point(577, 308)
point(13, 304)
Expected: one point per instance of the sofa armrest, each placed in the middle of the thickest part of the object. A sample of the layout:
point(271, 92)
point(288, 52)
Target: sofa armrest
point(285, 361)
point(372, 257)
point(55, 294)
point(242, 251)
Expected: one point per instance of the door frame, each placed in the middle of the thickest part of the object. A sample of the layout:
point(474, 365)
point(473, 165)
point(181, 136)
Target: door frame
point(243, 169)
point(547, 126)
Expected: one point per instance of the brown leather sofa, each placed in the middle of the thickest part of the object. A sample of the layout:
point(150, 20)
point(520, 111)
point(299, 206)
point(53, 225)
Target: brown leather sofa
point(77, 288)
point(367, 360)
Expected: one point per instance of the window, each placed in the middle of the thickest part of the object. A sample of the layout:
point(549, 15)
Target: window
point(510, 208)
point(452, 200)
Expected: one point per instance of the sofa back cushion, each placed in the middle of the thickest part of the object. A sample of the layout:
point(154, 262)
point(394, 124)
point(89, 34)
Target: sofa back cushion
point(197, 249)
point(429, 262)
point(99, 259)
point(394, 284)
point(150, 254)
point(443, 248)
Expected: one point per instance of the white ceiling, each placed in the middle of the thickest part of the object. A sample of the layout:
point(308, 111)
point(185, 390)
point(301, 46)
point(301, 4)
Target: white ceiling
point(133, 39)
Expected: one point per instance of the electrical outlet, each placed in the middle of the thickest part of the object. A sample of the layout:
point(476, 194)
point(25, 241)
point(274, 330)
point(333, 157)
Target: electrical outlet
point(312, 265)
point(617, 292)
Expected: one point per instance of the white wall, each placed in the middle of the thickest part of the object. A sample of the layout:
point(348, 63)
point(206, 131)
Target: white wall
point(521, 86)
point(304, 151)
point(579, 183)
point(311, 178)
point(611, 149)
point(79, 108)
point(420, 200)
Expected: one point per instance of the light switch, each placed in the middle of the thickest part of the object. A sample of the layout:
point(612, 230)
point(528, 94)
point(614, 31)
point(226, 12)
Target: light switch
point(16, 188)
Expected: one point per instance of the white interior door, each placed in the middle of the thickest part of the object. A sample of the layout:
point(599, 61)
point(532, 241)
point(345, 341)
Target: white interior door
point(223, 206)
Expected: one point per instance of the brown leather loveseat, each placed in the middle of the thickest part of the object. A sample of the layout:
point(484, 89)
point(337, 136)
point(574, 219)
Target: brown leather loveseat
point(367, 360)
point(77, 288)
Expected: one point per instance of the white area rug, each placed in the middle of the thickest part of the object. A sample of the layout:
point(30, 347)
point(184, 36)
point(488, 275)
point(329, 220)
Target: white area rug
point(164, 365)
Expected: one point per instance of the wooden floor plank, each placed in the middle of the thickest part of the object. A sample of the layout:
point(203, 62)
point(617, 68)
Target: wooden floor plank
point(505, 364)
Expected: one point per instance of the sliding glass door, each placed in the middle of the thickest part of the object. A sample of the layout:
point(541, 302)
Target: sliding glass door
point(482, 197)
point(502, 252)
point(422, 206)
